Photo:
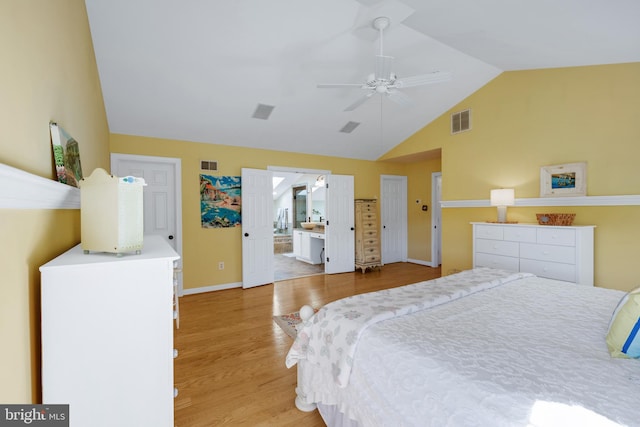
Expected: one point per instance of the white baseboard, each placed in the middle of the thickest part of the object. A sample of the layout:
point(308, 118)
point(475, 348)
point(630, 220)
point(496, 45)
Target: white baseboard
point(203, 289)
point(419, 261)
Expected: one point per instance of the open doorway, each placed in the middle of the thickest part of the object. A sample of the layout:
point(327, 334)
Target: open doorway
point(299, 217)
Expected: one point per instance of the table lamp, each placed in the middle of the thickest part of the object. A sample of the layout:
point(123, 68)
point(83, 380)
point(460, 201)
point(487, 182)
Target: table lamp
point(502, 198)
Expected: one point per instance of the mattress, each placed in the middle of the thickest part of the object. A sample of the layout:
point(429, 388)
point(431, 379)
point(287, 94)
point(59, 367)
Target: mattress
point(530, 352)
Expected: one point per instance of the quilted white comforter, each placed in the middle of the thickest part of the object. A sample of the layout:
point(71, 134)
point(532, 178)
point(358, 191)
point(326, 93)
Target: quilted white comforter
point(530, 352)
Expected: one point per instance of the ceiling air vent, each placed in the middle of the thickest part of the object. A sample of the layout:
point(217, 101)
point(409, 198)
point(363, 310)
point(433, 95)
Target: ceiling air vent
point(349, 127)
point(263, 111)
point(460, 121)
point(208, 165)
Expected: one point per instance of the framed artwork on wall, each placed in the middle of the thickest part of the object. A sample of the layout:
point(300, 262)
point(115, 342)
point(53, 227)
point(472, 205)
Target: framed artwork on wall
point(66, 156)
point(220, 201)
point(565, 180)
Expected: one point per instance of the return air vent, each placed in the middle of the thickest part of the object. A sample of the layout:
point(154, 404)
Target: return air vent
point(208, 165)
point(460, 121)
point(263, 111)
point(349, 127)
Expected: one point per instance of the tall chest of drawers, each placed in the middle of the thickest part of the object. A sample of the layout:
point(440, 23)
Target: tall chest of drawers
point(556, 252)
point(366, 234)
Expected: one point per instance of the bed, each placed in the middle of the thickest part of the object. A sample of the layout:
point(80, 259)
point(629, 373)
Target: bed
point(482, 347)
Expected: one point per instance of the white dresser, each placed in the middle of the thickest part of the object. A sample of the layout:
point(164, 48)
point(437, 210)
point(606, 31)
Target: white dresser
point(556, 252)
point(107, 336)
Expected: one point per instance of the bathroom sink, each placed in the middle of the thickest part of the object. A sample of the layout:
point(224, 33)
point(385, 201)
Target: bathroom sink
point(308, 225)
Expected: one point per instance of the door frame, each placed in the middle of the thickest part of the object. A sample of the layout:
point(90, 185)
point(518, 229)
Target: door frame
point(436, 219)
point(177, 179)
point(276, 169)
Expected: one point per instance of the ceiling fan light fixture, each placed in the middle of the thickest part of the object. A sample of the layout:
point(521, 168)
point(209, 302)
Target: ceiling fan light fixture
point(381, 23)
point(384, 82)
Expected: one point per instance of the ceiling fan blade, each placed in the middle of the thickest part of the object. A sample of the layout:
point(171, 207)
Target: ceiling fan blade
point(359, 102)
point(339, 85)
point(399, 98)
point(383, 67)
point(424, 79)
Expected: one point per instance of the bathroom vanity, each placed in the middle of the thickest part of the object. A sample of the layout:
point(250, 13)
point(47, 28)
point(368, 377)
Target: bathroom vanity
point(308, 245)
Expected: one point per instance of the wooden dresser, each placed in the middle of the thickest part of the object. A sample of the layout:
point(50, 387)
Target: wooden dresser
point(367, 240)
point(556, 252)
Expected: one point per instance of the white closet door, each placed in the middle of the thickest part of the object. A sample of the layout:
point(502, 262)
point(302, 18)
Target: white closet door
point(393, 224)
point(339, 231)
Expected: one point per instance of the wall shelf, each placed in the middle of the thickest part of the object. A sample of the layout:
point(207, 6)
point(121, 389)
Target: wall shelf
point(23, 190)
point(625, 200)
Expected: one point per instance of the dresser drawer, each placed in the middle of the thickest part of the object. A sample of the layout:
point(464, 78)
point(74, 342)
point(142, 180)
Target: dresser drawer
point(373, 242)
point(367, 207)
point(369, 234)
point(497, 261)
point(557, 236)
point(520, 234)
point(368, 224)
point(368, 216)
point(497, 247)
point(563, 254)
point(489, 232)
point(550, 270)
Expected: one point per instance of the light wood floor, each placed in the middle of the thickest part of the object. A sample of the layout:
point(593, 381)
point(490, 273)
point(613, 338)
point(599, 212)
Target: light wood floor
point(230, 368)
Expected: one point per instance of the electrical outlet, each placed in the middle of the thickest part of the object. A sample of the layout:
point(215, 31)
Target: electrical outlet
point(221, 265)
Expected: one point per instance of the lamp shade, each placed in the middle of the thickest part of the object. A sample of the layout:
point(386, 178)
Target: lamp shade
point(503, 197)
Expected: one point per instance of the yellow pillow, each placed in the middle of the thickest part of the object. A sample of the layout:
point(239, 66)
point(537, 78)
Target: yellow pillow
point(623, 337)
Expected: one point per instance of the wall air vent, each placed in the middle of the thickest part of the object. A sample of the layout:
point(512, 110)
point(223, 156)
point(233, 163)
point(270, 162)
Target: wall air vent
point(208, 165)
point(349, 127)
point(263, 111)
point(461, 121)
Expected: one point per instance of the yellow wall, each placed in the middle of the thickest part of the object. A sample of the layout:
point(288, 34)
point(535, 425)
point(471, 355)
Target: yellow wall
point(527, 119)
point(204, 248)
point(48, 73)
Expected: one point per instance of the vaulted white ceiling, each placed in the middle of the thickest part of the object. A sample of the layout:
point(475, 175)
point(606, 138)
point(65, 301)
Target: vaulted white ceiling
point(195, 70)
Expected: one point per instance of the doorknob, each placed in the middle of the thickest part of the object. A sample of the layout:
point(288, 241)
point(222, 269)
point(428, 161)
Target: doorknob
point(246, 234)
point(170, 237)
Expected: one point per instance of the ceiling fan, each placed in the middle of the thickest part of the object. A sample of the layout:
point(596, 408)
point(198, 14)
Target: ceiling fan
point(383, 81)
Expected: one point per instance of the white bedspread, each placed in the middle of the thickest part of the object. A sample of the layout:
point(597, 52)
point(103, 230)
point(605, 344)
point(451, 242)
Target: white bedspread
point(527, 353)
point(331, 338)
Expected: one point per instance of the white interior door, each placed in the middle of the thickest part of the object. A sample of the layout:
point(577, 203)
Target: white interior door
point(339, 230)
point(436, 219)
point(162, 196)
point(257, 227)
point(393, 210)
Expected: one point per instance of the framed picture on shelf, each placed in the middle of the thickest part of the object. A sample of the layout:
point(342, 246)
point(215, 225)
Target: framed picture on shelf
point(66, 156)
point(565, 180)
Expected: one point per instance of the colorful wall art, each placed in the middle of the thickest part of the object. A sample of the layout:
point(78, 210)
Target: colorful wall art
point(66, 156)
point(220, 201)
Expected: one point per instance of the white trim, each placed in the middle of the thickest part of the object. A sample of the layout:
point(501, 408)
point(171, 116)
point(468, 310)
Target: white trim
point(420, 262)
point(23, 190)
point(436, 219)
point(203, 289)
point(298, 170)
point(625, 200)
